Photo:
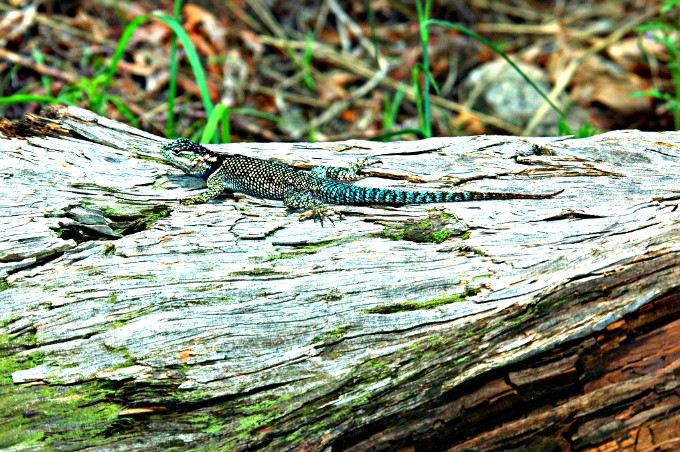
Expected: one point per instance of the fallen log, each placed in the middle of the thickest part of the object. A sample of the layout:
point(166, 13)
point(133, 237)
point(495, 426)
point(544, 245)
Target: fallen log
point(132, 322)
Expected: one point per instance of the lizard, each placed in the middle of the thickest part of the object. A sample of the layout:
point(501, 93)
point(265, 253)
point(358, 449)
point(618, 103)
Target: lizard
point(300, 189)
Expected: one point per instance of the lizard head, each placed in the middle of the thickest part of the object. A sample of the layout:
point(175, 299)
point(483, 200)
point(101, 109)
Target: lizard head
point(190, 157)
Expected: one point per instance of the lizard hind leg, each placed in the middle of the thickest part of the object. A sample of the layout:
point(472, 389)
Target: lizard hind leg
point(315, 208)
point(350, 174)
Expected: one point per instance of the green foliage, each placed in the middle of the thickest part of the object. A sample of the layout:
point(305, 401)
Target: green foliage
point(668, 5)
point(391, 108)
point(307, 78)
point(192, 57)
point(423, 96)
point(584, 131)
point(665, 31)
point(221, 116)
point(93, 92)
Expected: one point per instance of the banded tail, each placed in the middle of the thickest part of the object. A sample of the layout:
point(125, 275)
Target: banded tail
point(339, 193)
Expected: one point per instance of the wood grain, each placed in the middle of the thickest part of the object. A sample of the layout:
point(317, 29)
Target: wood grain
point(233, 325)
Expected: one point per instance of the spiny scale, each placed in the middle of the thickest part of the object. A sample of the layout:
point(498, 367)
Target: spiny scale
point(301, 189)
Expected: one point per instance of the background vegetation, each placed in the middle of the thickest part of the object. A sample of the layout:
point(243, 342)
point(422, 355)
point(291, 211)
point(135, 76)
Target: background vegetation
point(250, 70)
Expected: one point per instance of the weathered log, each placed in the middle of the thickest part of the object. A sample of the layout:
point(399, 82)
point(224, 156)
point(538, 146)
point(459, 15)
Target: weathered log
point(131, 322)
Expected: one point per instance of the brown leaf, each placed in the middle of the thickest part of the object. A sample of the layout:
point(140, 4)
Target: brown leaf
point(605, 82)
point(631, 52)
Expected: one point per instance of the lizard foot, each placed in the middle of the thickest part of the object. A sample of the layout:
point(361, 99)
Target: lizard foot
point(319, 214)
point(187, 201)
point(362, 163)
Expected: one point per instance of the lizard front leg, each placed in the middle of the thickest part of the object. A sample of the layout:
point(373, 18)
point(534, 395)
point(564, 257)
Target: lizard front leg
point(215, 188)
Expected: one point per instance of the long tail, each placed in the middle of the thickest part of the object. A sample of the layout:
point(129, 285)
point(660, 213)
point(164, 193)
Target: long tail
point(350, 194)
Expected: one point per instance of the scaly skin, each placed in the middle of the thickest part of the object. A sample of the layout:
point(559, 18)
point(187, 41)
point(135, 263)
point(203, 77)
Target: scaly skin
point(299, 189)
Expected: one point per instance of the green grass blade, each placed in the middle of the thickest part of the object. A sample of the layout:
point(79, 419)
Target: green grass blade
point(124, 110)
point(392, 107)
point(23, 98)
point(45, 80)
point(194, 61)
point(389, 135)
point(498, 51)
point(172, 82)
point(210, 129)
point(226, 128)
point(374, 39)
point(98, 102)
point(257, 114)
point(424, 111)
point(307, 63)
point(415, 73)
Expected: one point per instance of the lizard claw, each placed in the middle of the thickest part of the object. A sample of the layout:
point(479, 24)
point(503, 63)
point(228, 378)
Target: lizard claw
point(319, 214)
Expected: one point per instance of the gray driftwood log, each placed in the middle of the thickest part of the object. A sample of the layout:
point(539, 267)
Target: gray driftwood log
point(130, 322)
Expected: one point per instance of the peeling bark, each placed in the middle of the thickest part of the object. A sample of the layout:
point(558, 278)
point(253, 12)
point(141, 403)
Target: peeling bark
point(131, 322)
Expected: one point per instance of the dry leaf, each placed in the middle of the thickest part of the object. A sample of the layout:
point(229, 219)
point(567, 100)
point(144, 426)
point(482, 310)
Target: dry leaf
point(630, 53)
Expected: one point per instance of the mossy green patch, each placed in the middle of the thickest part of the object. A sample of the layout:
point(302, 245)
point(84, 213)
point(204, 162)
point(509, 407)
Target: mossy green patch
point(38, 416)
point(199, 289)
point(144, 277)
point(150, 158)
point(42, 415)
point(482, 276)
point(128, 358)
point(443, 235)
point(9, 365)
point(207, 423)
point(418, 305)
point(260, 408)
point(294, 437)
point(251, 422)
point(375, 365)
point(4, 285)
point(321, 244)
point(278, 256)
point(130, 218)
point(257, 271)
point(537, 307)
point(297, 252)
point(155, 213)
point(8, 321)
point(437, 228)
point(123, 219)
point(330, 337)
